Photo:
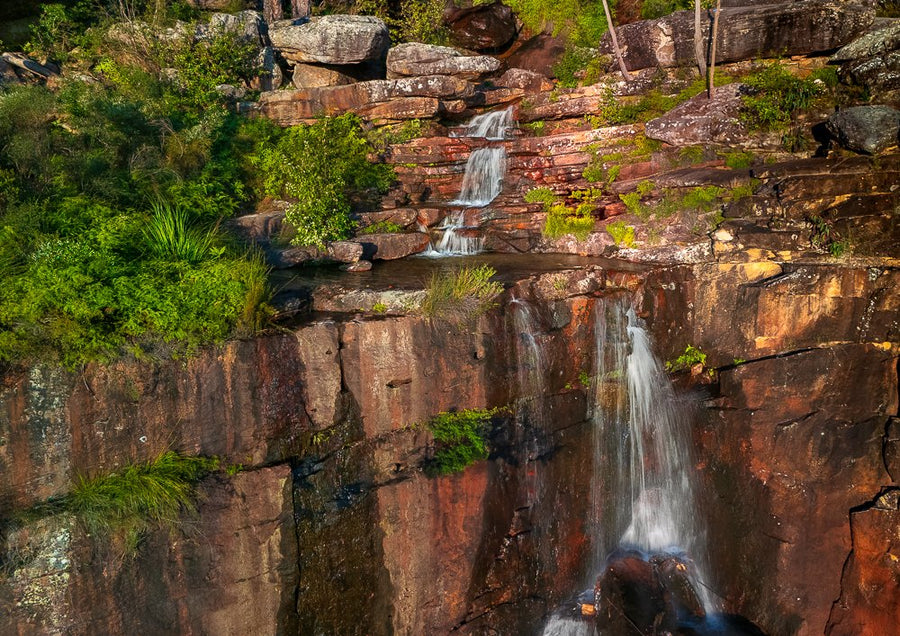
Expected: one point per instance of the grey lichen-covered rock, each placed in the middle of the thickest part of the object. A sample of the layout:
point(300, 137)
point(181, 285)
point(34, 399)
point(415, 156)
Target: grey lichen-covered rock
point(866, 129)
point(413, 58)
point(314, 76)
point(270, 77)
point(246, 24)
point(873, 60)
point(702, 121)
point(745, 33)
point(528, 81)
point(331, 39)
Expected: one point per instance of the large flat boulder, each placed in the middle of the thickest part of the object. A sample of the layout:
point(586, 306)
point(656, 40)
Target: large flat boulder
point(331, 39)
point(413, 58)
point(406, 98)
point(388, 247)
point(745, 33)
point(702, 121)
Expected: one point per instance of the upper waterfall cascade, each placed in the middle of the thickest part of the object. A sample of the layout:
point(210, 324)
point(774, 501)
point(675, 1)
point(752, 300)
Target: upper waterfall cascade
point(482, 183)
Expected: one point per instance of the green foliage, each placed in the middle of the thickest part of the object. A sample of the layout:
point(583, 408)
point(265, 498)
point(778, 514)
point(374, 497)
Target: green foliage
point(382, 227)
point(170, 235)
point(320, 166)
point(738, 159)
point(584, 378)
point(461, 295)
point(534, 128)
point(562, 220)
point(692, 154)
point(657, 8)
point(691, 356)
point(409, 20)
point(775, 96)
point(129, 503)
point(460, 440)
point(632, 202)
point(582, 21)
point(87, 272)
point(823, 237)
point(579, 65)
point(540, 195)
point(379, 308)
point(622, 234)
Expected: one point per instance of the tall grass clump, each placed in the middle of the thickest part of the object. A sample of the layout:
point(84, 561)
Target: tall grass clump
point(129, 503)
point(461, 295)
point(171, 235)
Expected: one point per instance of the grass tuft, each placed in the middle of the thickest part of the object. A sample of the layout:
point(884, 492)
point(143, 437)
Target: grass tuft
point(461, 295)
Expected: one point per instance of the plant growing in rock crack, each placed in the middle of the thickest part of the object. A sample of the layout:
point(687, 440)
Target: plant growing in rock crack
point(460, 440)
point(622, 234)
point(461, 295)
point(824, 238)
point(691, 357)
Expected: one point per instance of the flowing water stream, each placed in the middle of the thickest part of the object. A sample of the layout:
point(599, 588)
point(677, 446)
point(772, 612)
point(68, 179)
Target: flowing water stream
point(482, 183)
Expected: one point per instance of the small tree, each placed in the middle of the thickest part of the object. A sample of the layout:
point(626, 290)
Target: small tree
point(615, 43)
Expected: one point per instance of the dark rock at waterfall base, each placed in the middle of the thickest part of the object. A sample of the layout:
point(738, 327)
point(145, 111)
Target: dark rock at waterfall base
point(388, 247)
point(866, 129)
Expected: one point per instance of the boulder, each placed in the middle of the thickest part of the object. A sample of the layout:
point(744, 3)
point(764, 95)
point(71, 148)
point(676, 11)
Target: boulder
point(413, 58)
point(484, 28)
point(331, 39)
point(246, 24)
point(336, 252)
point(873, 60)
point(745, 33)
point(865, 129)
point(270, 77)
point(315, 76)
point(388, 247)
point(539, 54)
point(407, 98)
point(701, 121)
point(528, 81)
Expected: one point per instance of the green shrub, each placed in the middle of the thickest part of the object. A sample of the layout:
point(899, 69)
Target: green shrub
point(775, 96)
point(657, 8)
point(562, 220)
point(170, 235)
point(320, 166)
point(691, 356)
point(540, 195)
point(534, 128)
point(460, 440)
point(382, 227)
point(738, 160)
point(621, 233)
point(579, 65)
point(138, 498)
point(461, 295)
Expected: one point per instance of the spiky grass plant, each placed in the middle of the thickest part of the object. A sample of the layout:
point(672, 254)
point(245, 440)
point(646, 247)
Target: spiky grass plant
point(461, 295)
point(128, 503)
point(170, 234)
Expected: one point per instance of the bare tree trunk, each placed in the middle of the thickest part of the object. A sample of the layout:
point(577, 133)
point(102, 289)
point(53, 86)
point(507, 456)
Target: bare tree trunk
point(712, 55)
point(615, 43)
point(299, 9)
point(698, 40)
point(272, 11)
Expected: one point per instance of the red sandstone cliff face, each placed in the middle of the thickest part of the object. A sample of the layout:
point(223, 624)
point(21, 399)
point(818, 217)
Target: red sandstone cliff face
point(334, 529)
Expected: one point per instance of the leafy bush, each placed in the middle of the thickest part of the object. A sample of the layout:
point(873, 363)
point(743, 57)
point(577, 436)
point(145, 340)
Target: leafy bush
point(540, 195)
point(139, 498)
point(582, 21)
point(579, 65)
point(621, 233)
point(691, 356)
point(320, 166)
point(562, 220)
point(462, 294)
point(460, 440)
point(382, 227)
point(775, 96)
point(409, 20)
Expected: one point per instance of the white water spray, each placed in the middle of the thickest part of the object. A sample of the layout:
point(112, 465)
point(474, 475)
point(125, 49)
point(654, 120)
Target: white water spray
point(482, 183)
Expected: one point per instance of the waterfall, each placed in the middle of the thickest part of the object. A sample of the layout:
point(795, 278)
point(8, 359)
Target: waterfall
point(482, 183)
point(642, 490)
